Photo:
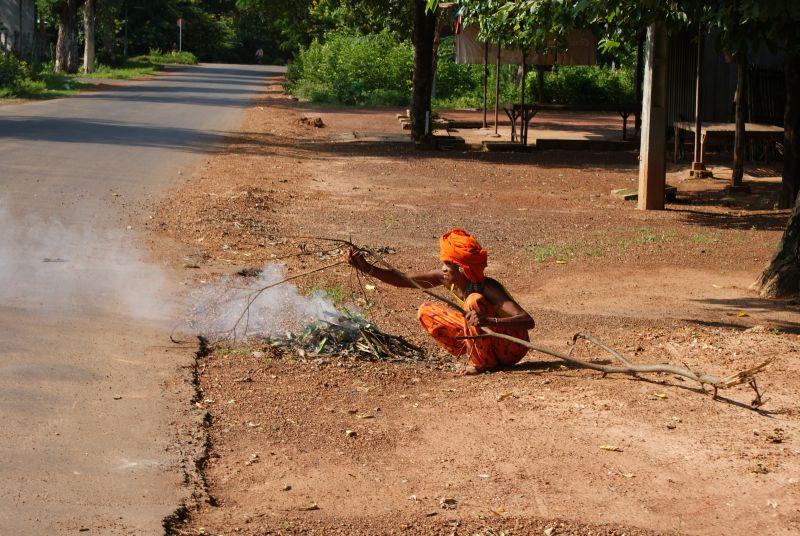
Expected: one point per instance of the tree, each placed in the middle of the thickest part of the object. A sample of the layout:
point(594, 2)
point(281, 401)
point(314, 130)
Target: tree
point(67, 43)
point(422, 80)
point(88, 36)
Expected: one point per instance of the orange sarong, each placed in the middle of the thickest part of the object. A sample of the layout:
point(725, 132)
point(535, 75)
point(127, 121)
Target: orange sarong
point(445, 324)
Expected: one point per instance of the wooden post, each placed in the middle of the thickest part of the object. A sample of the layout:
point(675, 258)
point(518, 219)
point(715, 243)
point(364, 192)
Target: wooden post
point(736, 185)
point(698, 168)
point(485, 78)
point(652, 171)
point(497, 89)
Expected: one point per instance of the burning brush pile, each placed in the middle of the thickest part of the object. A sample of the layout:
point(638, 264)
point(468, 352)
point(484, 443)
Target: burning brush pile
point(347, 334)
point(273, 312)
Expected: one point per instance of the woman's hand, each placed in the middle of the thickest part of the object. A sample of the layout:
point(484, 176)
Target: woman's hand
point(355, 258)
point(475, 319)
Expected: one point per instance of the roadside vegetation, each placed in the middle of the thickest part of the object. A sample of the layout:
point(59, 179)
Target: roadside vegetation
point(375, 70)
point(19, 80)
point(139, 66)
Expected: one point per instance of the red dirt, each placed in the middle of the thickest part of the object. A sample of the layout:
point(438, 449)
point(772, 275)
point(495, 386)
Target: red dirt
point(519, 450)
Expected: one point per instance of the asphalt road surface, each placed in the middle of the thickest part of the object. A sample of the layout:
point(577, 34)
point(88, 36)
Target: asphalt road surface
point(89, 394)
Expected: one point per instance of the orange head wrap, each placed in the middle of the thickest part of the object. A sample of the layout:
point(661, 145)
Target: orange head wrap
point(461, 248)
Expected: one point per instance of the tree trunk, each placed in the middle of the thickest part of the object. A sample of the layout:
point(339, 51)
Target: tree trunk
point(637, 80)
point(652, 164)
point(485, 79)
point(88, 35)
point(67, 43)
point(497, 88)
point(522, 100)
point(781, 278)
point(739, 135)
point(422, 82)
point(791, 133)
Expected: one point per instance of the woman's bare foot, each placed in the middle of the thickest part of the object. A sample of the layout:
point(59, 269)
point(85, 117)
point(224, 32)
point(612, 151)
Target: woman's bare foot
point(470, 370)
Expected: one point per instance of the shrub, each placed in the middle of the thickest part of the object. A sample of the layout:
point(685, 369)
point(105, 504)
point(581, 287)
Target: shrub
point(14, 73)
point(351, 69)
point(596, 84)
point(156, 56)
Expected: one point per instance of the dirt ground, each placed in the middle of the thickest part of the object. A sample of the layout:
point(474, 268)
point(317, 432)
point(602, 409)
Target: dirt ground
point(512, 452)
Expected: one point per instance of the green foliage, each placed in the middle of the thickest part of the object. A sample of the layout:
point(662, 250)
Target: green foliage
point(352, 69)
point(155, 56)
point(595, 84)
point(13, 73)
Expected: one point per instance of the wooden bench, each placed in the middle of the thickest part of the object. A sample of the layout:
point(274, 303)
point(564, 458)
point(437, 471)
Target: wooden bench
point(515, 112)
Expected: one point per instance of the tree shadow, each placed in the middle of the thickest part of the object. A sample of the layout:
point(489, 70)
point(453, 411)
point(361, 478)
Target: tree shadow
point(770, 221)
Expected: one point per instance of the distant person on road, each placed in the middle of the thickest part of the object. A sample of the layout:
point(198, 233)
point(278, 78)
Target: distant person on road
point(485, 300)
point(260, 56)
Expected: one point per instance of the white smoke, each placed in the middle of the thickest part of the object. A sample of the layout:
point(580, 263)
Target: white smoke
point(52, 266)
point(221, 310)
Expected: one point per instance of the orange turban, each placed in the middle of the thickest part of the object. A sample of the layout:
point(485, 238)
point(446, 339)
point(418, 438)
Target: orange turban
point(461, 248)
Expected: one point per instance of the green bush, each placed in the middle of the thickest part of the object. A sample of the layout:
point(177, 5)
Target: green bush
point(376, 70)
point(180, 58)
point(156, 56)
point(596, 84)
point(372, 69)
point(14, 74)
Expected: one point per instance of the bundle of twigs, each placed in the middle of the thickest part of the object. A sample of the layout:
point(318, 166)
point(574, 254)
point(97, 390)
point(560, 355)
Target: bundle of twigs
point(347, 335)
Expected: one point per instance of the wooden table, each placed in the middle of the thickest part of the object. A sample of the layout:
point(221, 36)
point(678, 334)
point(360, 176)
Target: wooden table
point(724, 131)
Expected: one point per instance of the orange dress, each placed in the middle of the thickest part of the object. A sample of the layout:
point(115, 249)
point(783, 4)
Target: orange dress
point(445, 325)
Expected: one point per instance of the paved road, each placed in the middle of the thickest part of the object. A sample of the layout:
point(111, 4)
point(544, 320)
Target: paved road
point(87, 391)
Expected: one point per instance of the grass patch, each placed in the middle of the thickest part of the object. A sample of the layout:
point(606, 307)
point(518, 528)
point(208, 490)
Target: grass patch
point(700, 239)
point(548, 252)
point(129, 69)
point(645, 235)
point(140, 66)
point(43, 86)
point(333, 292)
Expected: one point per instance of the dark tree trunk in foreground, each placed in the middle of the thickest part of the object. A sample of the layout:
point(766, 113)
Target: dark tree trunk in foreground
point(782, 277)
point(422, 82)
point(739, 136)
point(791, 133)
point(67, 53)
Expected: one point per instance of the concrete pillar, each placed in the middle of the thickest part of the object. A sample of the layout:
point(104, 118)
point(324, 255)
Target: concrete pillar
point(652, 154)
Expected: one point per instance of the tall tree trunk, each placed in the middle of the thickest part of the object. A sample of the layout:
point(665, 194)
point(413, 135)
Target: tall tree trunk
point(739, 135)
point(497, 88)
point(88, 35)
point(485, 79)
point(422, 82)
point(781, 278)
point(522, 100)
point(791, 133)
point(652, 170)
point(637, 80)
point(67, 43)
